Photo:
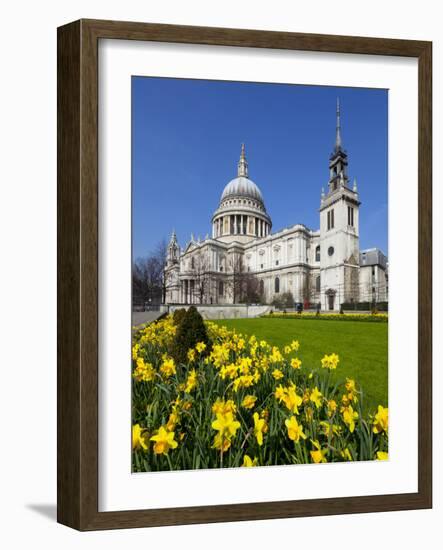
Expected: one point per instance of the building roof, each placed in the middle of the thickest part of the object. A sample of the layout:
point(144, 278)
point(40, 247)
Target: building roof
point(373, 256)
point(242, 187)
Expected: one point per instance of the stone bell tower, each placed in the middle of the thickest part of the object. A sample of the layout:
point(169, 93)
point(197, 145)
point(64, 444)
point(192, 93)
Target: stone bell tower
point(339, 231)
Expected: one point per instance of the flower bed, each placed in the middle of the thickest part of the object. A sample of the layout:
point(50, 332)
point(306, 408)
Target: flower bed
point(238, 401)
point(366, 317)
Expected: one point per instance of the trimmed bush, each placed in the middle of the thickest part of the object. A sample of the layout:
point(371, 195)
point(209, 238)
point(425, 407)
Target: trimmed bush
point(190, 331)
point(178, 316)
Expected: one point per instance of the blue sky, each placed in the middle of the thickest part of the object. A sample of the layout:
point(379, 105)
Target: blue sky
point(186, 137)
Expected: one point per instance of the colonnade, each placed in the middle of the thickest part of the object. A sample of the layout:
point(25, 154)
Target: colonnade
point(240, 224)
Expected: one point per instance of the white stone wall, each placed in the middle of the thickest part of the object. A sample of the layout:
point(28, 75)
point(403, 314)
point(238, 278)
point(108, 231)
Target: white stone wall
point(372, 280)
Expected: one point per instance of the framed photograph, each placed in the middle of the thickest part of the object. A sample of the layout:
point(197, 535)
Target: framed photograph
point(244, 275)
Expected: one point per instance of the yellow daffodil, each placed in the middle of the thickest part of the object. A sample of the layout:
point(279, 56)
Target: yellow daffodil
point(347, 454)
point(349, 417)
point(280, 392)
point(223, 407)
point(295, 363)
point(140, 437)
point(164, 440)
point(315, 397)
point(221, 443)
point(229, 371)
point(292, 400)
point(226, 424)
point(318, 454)
point(276, 356)
point(135, 350)
point(248, 462)
point(191, 381)
point(260, 427)
point(350, 385)
point(381, 455)
point(168, 367)
point(200, 347)
point(332, 407)
point(380, 423)
point(295, 430)
point(240, 344)
point(330, 361)
point(295, 345)
point(191, 355)
point(143, 372)
point(277, 374)
point(172, 421)
point(249, 401)
point(244, 365)
point(329, 429)
point(244, 381)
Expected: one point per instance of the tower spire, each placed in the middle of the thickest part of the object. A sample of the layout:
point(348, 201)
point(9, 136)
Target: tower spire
point(338, 129)
point(173, 239)
point(242, 170)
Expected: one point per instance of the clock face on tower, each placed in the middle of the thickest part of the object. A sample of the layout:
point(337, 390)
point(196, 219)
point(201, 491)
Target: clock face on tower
point(330, 250)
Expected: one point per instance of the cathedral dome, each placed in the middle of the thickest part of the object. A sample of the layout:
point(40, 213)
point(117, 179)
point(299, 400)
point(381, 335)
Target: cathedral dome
point(242, 187)
point(241, 215)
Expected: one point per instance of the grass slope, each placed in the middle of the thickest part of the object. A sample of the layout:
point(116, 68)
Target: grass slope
point(362, 348)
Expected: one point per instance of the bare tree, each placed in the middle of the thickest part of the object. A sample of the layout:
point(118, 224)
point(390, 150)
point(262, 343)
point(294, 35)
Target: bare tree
point(201, 278)
point(148, 281)
point(245, 286)
point(160, 255)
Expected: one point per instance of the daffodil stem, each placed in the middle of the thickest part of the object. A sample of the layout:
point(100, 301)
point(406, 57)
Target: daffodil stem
point(169, 462)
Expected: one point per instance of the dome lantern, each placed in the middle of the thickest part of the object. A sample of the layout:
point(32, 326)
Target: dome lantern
point(242, 170)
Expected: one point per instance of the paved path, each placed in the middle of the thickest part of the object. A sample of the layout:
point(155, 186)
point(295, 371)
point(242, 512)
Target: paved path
point(140, 317)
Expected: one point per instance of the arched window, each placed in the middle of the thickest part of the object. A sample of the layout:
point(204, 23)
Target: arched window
point(317, 253)
point(221, 288)
point(317, 284)
point(277, 285)
point(262, 287)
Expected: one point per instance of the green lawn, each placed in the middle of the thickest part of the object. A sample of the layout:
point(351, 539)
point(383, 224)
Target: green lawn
point(362, 348)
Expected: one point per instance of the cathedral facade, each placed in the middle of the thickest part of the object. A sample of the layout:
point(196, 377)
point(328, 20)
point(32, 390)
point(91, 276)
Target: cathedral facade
point(320, 268)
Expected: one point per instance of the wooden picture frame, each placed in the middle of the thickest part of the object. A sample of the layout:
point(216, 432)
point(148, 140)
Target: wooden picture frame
point(78, 273)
